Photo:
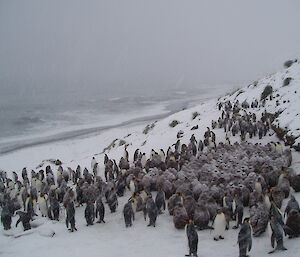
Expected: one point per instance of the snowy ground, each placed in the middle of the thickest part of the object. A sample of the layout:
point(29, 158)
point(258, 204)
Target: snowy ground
point(112, 238)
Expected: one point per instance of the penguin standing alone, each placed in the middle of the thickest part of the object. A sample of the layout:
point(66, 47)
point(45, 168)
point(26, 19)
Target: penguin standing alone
point(192, 237)
point(70, 217)
point(219, 225)
point(128, 214)
point(245, 238)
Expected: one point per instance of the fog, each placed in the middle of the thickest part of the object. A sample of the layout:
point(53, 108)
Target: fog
point(138, 45)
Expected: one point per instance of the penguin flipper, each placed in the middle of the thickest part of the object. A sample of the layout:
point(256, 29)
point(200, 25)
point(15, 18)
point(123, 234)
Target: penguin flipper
point(273, 241)
point(250, 245)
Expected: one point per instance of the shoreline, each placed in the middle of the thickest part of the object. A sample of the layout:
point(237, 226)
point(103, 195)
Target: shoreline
point(171, 108)
point(75, 134)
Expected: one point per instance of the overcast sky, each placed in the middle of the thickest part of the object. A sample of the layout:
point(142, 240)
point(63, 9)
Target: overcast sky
point(144, 43)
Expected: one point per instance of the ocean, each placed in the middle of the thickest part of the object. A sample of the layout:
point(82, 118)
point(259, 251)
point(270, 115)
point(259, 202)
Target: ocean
point(39, 117)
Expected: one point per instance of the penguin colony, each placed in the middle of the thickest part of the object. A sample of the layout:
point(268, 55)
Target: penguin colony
point(206, 185)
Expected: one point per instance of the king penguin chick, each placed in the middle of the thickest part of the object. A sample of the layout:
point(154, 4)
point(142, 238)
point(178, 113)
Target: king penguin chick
point(160, 201)
point(89, 213)
point(292, 205)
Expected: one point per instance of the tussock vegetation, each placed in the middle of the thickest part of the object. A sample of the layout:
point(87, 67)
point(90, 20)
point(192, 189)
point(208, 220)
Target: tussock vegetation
point(195, 115)
point(174, 123)
point(180, 134)
point(122, 142)
point(148, 128)
point(239, 93)
point(110, 146)
point(267, 91)
point(286, 81)
point(289, 63)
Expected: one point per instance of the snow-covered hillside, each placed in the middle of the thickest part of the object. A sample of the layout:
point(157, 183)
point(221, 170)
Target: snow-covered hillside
point(112, 238)
point(282, 102)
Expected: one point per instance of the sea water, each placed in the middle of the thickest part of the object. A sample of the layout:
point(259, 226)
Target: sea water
point(36, 117)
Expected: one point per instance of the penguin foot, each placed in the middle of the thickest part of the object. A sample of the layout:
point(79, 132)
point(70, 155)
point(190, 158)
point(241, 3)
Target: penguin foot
point(99, 221)
point(216, 239)
point(148, 225)
point(221, 237)
point(235, 227)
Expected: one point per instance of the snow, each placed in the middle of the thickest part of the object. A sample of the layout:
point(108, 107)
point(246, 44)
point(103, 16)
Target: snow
point(287, 96)
point(112, 238)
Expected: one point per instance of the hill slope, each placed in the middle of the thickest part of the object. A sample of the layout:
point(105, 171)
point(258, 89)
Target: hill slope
point(112, 238)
